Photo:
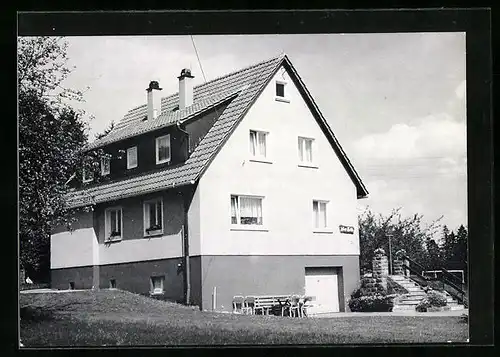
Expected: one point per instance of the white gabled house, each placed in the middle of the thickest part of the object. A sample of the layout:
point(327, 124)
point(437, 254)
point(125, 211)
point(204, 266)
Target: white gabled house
point(241, 177)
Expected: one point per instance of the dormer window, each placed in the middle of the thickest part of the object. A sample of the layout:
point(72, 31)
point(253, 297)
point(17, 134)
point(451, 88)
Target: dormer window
point(105, 166)
point(132, 157)
point(87, 175)
point(163, 149)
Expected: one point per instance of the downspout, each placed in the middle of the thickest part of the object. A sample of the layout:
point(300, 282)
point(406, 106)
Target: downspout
point(185, 230)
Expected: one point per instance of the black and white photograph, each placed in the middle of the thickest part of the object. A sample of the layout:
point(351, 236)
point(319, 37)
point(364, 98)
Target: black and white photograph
point(227, 189)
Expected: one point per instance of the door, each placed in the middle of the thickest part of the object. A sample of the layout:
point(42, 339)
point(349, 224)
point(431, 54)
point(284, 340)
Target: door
point(322, 283)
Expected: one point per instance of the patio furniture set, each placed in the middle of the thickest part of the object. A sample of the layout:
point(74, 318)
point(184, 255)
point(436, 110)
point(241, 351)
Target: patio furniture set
point(278, 305)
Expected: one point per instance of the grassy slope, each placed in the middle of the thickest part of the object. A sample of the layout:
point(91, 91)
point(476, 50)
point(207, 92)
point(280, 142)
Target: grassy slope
point(122, 318)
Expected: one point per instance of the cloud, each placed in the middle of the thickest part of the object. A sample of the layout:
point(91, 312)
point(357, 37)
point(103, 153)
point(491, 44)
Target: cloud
point(434, 136)
point(460, 91)
point(420, 168)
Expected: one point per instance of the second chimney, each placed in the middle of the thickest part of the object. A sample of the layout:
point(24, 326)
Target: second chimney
point(154, 100)
point(185, 88)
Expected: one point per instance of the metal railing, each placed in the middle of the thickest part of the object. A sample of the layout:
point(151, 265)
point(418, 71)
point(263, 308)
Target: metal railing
point(444, 282)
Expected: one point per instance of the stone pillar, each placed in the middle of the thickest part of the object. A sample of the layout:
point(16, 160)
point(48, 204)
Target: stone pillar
point(399, 261)
point(380, 267)
point(397, 266)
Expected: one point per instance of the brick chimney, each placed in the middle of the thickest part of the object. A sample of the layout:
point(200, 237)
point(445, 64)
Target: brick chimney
point(185, 88)
point(154, 100)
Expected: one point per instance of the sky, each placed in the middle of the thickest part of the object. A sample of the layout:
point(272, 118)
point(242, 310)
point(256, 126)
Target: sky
point(396, 102)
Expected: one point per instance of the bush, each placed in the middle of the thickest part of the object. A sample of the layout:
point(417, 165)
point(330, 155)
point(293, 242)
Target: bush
point(436, 299)
point(371, 296)
point(371, 303)
point(433, 299)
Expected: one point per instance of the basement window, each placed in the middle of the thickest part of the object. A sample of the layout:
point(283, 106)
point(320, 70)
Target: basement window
point(157, 285)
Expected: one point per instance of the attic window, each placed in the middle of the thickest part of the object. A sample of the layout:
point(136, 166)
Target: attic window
point(280, 92)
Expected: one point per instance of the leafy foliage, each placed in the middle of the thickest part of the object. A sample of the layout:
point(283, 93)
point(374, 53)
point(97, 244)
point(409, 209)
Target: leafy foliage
point(371, 296)
point(454, 248)
point(433, 299)
point(51, 136)
point(406, 233)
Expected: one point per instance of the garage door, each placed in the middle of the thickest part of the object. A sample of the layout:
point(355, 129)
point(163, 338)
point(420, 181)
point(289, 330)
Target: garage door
point(322, 283)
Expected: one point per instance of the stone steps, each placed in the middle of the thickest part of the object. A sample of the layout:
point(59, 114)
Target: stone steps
point(416, 294)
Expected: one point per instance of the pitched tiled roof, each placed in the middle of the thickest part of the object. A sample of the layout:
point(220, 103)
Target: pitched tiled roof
point(248, 81)
point(139, 126)
point(242, 87)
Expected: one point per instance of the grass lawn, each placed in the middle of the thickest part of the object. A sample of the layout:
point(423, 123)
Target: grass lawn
point(114, 318)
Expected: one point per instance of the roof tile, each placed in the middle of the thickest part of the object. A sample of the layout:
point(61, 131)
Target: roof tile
point(243, 84)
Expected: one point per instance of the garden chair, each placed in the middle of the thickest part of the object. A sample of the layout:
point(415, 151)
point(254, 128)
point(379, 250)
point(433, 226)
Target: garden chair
point(238, 304)
point(294, 306)
point(249, 305)
point(307, 304)
point(285, 307)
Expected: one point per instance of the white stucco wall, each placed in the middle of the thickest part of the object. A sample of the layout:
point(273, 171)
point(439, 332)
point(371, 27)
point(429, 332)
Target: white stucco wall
point(75, 248)
point(194, 224)
point(141, 249)
point(288, 189)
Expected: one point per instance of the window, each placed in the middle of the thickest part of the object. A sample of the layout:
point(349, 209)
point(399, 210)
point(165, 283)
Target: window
point(153, 217)
point(258, 144)
point(112, 283)
point(105, 166)
point(157, 284)
point(280, 89)
point(132, 157)
point(319, 213)
point(162, 149)
point(306, 150)
point(246, 210)
point(113, 224)
point(88, 175)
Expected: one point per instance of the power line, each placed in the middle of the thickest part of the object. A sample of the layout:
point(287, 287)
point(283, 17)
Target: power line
point(198, 57)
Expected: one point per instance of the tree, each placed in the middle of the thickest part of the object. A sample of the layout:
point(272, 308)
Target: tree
point(434, 260)
point(106, 131)
point(51, 136)
point(406, 233)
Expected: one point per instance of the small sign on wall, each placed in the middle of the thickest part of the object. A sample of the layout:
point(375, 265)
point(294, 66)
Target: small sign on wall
point(346, 229)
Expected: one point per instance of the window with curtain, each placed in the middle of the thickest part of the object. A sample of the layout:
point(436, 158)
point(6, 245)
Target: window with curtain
point(162, 149)
point(153, 217)
point(132, 157)
point(319, 214)
point(246, 210)
point(113, 221)
point(305, 150)
point(105, 166)
point(258, 143)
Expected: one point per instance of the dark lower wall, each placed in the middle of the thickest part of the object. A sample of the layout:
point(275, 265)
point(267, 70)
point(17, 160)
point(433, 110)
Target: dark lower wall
point(81, 276)
point(134, 277)
point(267, 275)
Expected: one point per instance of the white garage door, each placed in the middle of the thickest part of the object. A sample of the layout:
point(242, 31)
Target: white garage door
point(322, 283)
